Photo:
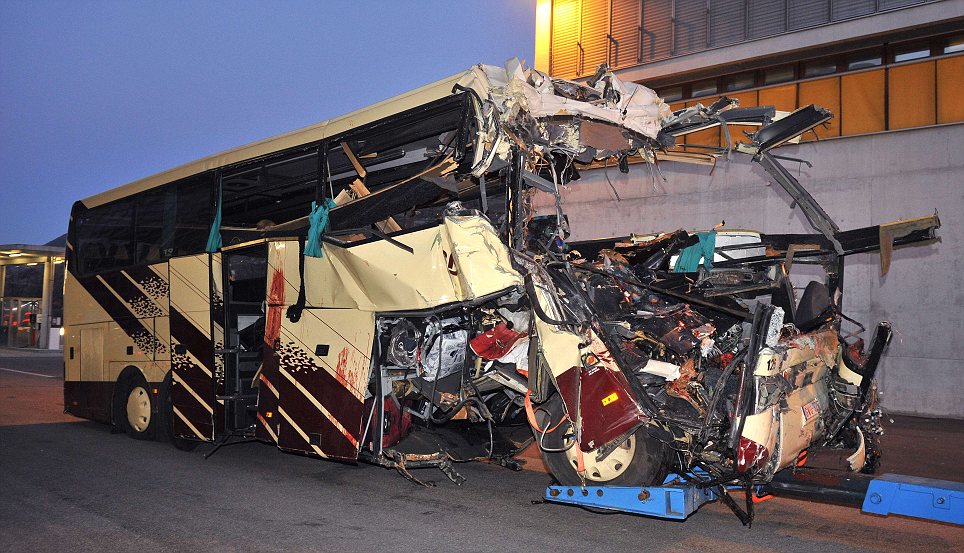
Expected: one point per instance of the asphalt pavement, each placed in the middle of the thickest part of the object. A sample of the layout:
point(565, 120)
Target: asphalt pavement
point(72, 485)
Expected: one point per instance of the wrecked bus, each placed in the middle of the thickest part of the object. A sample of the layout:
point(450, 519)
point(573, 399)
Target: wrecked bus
point(379, 287)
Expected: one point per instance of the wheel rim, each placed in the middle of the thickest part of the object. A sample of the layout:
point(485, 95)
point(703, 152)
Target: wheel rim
point(610, 467)
point(139, 409)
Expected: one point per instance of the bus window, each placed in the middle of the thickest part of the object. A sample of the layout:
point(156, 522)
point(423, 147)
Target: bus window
point(270, 192)
point(195, 202)
point(372, 160)
point(154, 225)
point(104, 237)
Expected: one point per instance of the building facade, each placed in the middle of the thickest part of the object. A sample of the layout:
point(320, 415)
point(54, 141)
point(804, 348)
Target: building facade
point(889, 70)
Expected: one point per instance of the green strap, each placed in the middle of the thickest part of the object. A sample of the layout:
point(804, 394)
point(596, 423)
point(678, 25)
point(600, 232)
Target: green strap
point(318, 221)
point(214, 237)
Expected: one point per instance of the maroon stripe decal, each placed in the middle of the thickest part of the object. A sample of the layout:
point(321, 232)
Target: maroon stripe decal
point(142, 305)
point(199, 345)
point(311, 421)
point(119, 312)
point(321, 384)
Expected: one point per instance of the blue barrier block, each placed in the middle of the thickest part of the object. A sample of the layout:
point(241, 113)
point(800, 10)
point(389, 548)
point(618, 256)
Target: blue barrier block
point(675, 502)
point(911, 496)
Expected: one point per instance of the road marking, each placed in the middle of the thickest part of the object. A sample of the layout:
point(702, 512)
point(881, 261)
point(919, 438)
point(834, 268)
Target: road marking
point(32, 374)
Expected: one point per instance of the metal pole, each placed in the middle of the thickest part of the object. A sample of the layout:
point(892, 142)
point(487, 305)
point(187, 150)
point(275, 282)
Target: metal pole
point(3, 280)
point(45, 304)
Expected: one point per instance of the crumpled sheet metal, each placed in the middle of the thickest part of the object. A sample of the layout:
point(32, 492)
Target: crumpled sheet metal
point(513, 90)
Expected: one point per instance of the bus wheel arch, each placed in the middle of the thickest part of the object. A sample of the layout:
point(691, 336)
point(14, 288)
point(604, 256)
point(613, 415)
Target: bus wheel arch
point(134, 408)
point(639, 461)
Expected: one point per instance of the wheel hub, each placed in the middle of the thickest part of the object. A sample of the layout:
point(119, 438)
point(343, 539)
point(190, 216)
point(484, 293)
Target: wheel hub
point(139, 409)
point(609, 467)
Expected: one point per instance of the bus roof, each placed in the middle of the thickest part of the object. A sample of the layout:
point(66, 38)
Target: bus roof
point(305, 135)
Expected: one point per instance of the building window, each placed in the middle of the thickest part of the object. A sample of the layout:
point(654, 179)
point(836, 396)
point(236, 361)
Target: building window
point(775, 75)
point(703, 88)
point(954, 44)
point(863, 60)
point(671, 94)
point(740, 81)
point(819, 67)
point(911, 52)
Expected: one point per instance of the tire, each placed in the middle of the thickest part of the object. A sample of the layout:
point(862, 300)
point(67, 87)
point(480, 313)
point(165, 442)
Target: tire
point(639, 461)
point(165, 412)
point(134, 411)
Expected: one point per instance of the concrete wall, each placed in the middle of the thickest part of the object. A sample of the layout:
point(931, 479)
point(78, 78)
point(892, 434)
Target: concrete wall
point(860, 181)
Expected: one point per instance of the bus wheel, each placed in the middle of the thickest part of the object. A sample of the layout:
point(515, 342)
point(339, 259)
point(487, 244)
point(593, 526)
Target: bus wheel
point(639, 461)
point(133, 410)
point(165, 418)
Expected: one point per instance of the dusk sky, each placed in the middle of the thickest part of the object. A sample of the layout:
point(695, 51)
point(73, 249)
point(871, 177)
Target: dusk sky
point(97, 94)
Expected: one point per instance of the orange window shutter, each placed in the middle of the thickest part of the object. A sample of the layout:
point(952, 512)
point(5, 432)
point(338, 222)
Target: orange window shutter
point(911, 96)
point(783, 97)
point(564, 48)
point(824, 93)
point(625, 30)
point(862, 102)
point(950, 76)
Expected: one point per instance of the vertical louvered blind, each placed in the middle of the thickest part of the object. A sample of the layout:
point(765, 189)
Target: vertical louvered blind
point(564, 49)
point(727, 21)
point(690, 32)
point(657, 29)
point(594, 39)
point(625, 24)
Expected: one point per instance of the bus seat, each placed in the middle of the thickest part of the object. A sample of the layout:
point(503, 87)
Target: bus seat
point(814, 307)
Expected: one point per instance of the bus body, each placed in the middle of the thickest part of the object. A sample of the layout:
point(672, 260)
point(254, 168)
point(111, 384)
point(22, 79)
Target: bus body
point(379, 286)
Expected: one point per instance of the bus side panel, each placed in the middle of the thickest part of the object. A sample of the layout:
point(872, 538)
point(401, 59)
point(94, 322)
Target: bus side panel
point(323, 365)
point(86, 393)
point(192, 349)
point(111, 325)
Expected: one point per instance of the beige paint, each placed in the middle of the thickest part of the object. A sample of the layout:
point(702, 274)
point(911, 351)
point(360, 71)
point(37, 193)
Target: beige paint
point(84, 319)
point(382, 277)
point(762, 428)
point(796, 434)
point(92, 352)
point(786, 433)
point(349, 334)
point(190, 290)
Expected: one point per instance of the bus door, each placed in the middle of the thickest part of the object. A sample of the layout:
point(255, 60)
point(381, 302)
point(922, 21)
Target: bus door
point(316, 368)
point(243, 276)
point(193, 368)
